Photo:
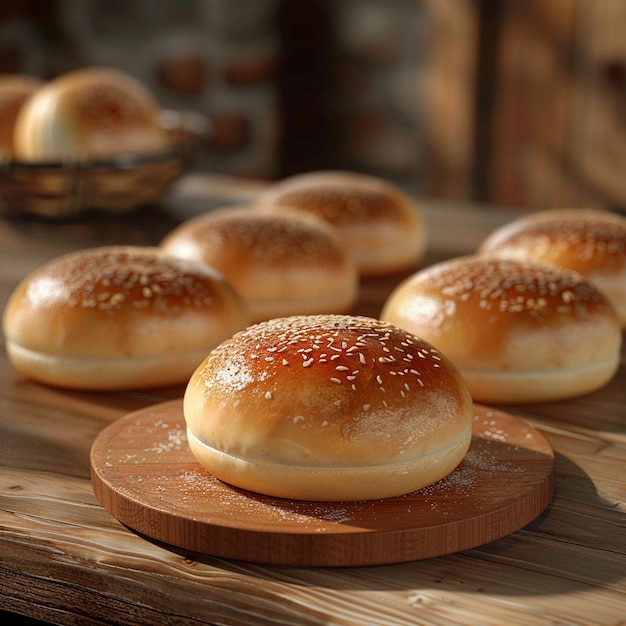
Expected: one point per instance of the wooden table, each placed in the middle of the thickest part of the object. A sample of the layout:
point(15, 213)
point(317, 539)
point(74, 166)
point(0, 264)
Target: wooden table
point(65, 559)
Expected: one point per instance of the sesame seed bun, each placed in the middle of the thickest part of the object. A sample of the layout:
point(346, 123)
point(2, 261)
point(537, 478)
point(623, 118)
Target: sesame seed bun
point(518, 331)
point(118, 318)
point(88, 114)
point(591, 242)
point(279, 264)
point(327, 408)
point(381, 225)
point(15, 89)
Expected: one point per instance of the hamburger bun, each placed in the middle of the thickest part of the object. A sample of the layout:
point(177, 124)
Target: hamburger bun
point(591, 242)
point(518, 331)
point(118, 318)
point(279, 264)
point(327, 408)
point(89, 114)
point(381, 225)
point(15, 89)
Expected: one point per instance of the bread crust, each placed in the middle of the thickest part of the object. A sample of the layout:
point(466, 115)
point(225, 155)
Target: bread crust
point(591, 242)
point(382, 226)
point(118, 317)
point(519, 331)
point(89, 114)
point(279, 264)
point(328, 407)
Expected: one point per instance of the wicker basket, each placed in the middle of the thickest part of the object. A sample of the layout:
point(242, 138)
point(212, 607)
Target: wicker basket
point(117, 186)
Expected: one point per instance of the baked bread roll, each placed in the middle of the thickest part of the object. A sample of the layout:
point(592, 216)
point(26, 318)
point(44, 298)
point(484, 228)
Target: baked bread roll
point(381, 225)
point(518, 331)
point(15, 89)
point(327, 408)
point(279, 264)
point(89, 114)
point(591, 242)
point(118, 318)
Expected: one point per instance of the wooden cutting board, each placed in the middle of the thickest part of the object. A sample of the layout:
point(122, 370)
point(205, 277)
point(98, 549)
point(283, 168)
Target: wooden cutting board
point(144, 474)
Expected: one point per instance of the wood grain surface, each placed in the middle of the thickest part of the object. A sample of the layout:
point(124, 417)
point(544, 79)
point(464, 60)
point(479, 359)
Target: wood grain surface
point(145, 475)
point(65, 559)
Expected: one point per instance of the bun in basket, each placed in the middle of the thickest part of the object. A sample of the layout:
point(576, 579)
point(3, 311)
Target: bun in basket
point(279, 264)
point(89, 114)
point(15, 89)
point(381, 225)
point(327, 408)
point(518, 331)
point(591, 242)
point(118, 318)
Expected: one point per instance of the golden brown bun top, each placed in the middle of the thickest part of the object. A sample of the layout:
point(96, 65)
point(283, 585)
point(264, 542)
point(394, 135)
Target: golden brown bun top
point(473, 304)
point(105, 300)
point(89, 113)
point(15, 89)
point(583, 240)
point(237, 236)
point(350, 391)
point(344, 199)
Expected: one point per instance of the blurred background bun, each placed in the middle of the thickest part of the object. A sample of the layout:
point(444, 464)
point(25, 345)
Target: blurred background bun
point(15, 89)
point(89, 114)
point(381, 225)
point(280, 264)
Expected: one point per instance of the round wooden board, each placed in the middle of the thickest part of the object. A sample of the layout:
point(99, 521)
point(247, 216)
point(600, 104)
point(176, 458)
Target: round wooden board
point(144, 474)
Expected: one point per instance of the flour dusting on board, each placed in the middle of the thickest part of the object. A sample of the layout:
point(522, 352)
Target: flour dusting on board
point(236, 502)
point(176, 438)
point(194, 487)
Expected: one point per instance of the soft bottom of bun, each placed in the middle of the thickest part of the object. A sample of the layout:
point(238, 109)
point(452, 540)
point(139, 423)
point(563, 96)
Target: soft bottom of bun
point(107, 373)
point(510, 387)
point(330, 484)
